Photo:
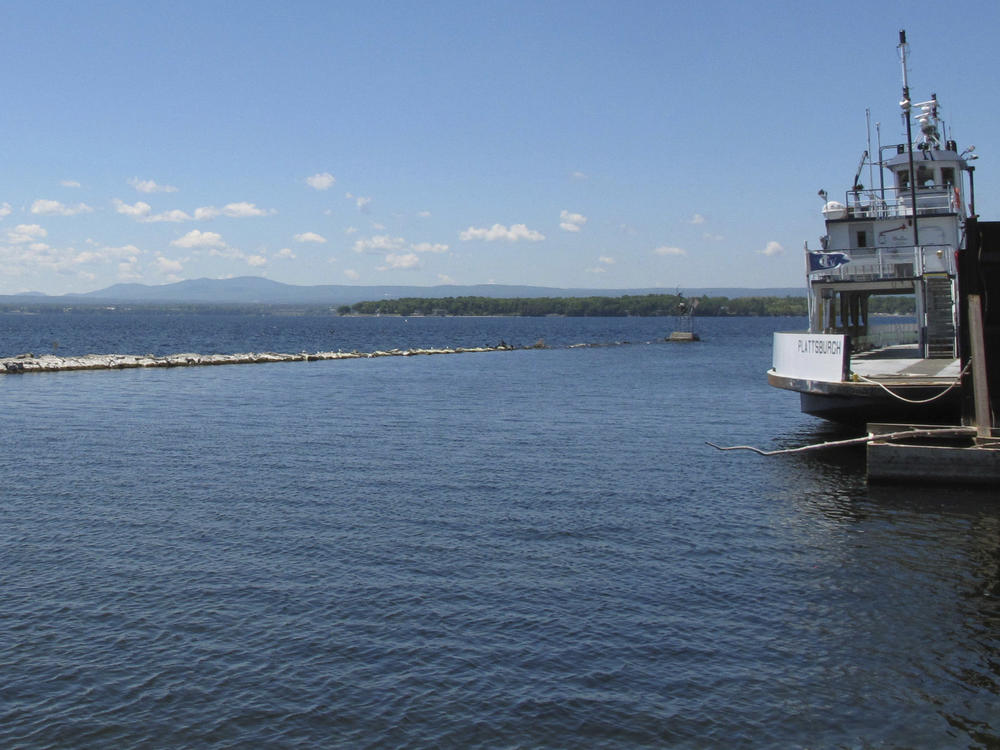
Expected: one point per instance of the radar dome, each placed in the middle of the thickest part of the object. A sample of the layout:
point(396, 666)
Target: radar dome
point(835, 210)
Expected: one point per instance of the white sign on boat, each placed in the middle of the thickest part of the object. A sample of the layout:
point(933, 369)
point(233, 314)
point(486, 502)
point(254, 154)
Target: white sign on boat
point(811, 356)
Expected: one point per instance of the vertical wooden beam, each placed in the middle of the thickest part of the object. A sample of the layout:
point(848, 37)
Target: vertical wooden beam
point(980, 386)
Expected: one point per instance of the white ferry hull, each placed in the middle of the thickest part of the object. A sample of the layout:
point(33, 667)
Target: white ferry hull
point(859, 403)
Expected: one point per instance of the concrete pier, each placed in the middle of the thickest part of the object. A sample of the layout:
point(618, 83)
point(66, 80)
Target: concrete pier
point(26, 363)
point(954, 459)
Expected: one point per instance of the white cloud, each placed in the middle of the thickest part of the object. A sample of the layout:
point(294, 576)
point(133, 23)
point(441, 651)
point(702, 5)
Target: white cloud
point(352, 274)
point(257, 260)
point(665, 250)
point(500, 232)
point(400, 260)
point(285, 252)
point(45, 207)
point(596, 269)
point(24, 233)
point(445, 278)
point(713, 237)
point(136, 210)
point(176, 216)
point(697, 219)
point(309, 237)
point(5, 210)
point(240, 210)
point(424, 214)
point(69, 183)
point(351, 230)
point(378, 244)
point(427, 247)
point(206, 212)
point(150, 186)
point(606, 260)
point(321, 181)
point(197, 238)
point(578, 175)
point(167, 265)
point(360, 201)
point(244, 210)
point(127, 271)
point(772, 248)
point(571, 222)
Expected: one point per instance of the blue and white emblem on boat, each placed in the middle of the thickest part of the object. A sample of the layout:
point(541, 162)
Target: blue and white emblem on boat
point(826, 261)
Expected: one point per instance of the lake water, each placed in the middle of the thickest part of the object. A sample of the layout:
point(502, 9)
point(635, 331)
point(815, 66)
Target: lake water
point(531, 548)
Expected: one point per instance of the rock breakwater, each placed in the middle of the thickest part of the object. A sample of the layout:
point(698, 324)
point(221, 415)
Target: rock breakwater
point(25, 363)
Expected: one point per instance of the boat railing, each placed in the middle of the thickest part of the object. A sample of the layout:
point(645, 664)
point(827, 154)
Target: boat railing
point(880, 336)
point(887, 263)
point(891, 203)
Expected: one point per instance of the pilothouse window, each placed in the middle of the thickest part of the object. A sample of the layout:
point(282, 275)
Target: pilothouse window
point(925, 176)
point(948, 175)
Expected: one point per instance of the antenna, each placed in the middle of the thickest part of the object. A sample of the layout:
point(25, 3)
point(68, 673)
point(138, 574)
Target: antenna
point(905, 104)
point(871, 167)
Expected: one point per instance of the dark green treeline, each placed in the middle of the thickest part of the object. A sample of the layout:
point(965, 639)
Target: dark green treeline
point(641, 305)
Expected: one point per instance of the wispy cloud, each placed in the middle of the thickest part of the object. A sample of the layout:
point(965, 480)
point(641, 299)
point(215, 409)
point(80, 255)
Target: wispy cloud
point(394, 261)
point(24, 233)
point(428, 247)
point(5, 210)
point(175, 216)
point(361, 201)
point(69, 183)
point(197, 238)
point(772, 248)
point(321, 181)
point(352, 274)
point(168, 265)
point(241, 210)
point(150, 186)
point(135, 210)
point(666, 250)
point(310, 237)
point(45, 207)
point(571, 222)
point(697, 219)
point(500, 232)
point(380, 243)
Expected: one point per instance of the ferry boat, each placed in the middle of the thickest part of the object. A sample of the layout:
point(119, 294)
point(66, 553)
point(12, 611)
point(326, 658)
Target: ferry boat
point(904, 236)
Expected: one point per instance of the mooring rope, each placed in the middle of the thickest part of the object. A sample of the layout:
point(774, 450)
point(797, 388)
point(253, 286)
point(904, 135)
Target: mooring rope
point(931, 432)
point(954, 383)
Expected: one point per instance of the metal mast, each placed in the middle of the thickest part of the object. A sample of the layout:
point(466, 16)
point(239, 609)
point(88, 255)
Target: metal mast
point(905, 104)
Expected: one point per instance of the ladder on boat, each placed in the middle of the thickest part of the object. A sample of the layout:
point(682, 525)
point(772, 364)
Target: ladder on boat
point(940, 317)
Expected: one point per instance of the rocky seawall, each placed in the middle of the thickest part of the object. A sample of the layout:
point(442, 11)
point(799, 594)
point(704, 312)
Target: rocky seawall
point(25, 363)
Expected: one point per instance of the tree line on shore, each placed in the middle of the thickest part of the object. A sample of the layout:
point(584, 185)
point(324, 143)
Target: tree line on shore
point(638, 305)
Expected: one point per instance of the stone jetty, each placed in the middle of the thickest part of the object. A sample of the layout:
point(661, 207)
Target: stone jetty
point(25, 363)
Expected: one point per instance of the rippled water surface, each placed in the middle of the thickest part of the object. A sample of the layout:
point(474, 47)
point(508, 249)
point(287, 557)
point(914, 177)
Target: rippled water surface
point(531, 548)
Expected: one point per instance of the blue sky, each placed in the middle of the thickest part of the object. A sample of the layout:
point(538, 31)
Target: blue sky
point(587, 144)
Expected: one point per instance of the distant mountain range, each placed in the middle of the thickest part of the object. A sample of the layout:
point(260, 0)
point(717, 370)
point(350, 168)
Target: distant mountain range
point(251, 290)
